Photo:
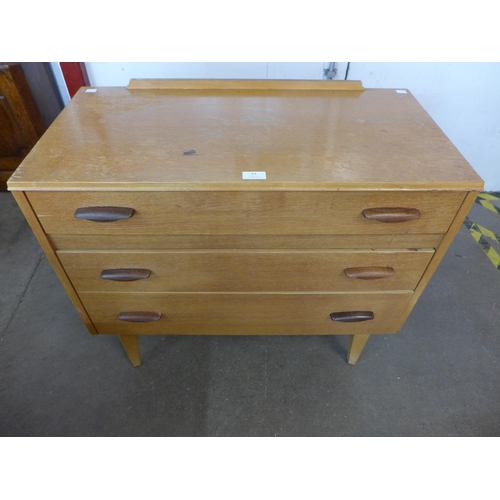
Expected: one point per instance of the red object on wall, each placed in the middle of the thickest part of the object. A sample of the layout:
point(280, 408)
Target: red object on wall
point(75, 76)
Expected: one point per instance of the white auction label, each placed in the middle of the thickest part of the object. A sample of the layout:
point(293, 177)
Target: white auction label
point(91, 91)
point(401, 92)
point(253, 175)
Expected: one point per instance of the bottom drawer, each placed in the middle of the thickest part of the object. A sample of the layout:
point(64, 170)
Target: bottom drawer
point(245, 313)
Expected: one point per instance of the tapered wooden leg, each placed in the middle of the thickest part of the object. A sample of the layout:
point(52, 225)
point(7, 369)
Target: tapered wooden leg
point(131, 345)
point(358, 343)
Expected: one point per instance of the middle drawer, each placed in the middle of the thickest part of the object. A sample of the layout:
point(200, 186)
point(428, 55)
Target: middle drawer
point(246, 271)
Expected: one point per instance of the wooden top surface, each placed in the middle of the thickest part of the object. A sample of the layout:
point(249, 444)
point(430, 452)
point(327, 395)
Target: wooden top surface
point(136, 139)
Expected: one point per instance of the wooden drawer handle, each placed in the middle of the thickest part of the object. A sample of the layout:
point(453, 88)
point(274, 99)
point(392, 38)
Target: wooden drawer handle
point(352, 316)
point(369, 273)
point(139, 316)
point(125, 274)
point(104, 214)
point(391, 214)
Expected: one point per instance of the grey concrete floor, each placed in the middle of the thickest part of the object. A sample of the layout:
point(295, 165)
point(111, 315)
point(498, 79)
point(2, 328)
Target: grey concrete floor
point(440, 376)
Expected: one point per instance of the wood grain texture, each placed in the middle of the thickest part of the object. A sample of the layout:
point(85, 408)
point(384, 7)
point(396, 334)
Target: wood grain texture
point(12, 142)
point(215, 84)
point(20, 122)
point(33, 221)
point(242, 241)
point(240, 271)
point(118, 139)
point(245, 314)
point(15, 89)
point(10, 163)
point(440, 252)
point(131, 345)
point(356, 345)
point(245, 212)
point(4, 177)
point(234, 257)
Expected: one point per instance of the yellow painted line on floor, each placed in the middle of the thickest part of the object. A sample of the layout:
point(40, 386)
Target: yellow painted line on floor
point(494, 257)
point(489, 206)
point(486, 196)
point(486, 232)
point(480, 233)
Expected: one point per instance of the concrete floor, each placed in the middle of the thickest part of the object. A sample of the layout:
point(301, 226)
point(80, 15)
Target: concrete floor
point(439, 377)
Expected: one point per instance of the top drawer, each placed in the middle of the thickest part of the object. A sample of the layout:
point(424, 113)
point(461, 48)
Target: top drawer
point(262, 212)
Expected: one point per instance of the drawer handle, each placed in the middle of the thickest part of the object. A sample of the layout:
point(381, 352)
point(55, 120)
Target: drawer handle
point(391, 214)
point(352, 316)
point(139, 316)
point(104, 214)
point(125, 274)
point(369, 273)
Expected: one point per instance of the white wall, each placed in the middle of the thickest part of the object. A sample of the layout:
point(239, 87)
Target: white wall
point(119, 74)
point(463, 98)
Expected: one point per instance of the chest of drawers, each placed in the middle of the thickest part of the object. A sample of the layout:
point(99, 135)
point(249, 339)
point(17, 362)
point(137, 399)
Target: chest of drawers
point(140, 199)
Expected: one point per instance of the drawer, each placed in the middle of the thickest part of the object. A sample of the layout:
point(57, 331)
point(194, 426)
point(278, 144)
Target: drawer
point(245, 314)
point(246, 271)
point(263, 212)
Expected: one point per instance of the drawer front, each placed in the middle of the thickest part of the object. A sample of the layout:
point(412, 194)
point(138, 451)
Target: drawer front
point(226, 213)
point(245, 314)
point(245, 271)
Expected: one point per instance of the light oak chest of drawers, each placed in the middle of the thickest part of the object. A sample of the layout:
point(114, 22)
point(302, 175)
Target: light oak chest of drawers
point(139, 199)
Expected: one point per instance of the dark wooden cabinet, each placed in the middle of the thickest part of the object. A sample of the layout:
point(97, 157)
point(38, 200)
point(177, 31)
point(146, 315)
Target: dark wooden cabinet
point(21, 124)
